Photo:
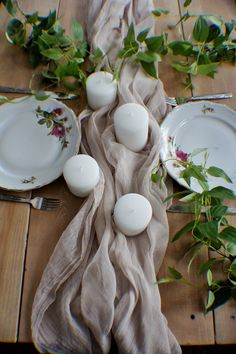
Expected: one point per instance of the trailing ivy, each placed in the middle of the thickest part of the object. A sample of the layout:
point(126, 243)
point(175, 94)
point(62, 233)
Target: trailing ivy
point(47, 44)
point(213, 232)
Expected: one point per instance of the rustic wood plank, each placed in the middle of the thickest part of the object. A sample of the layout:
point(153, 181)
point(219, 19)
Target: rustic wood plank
point(16, 71)
point(44, 232)
point(46, 227)
point(183, 304)
point(13, 232)
point(172, 80)
point(193, 328)
point(224, 81)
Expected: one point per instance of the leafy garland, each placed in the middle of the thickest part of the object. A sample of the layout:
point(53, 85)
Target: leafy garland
point(214, 232)
point(64, 55)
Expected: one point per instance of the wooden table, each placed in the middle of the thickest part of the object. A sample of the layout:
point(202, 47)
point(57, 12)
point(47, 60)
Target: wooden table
point(28, 236)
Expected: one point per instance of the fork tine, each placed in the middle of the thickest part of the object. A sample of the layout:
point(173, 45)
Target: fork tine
point(171, 101)
point(50, 204)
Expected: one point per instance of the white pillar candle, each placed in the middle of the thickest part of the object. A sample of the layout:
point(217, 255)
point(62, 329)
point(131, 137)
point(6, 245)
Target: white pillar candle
point(101, 89)
point(131, 126)
point(81, 173)
point(132, 214)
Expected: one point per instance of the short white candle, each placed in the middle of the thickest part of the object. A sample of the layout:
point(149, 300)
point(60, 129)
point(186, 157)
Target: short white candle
point(132, 214)
point(101, 89)
point(131, 126)
point(81, 173)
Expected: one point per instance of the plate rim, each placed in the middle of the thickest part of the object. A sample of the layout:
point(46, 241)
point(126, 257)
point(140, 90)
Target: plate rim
point(181, 181)
point(26, 186)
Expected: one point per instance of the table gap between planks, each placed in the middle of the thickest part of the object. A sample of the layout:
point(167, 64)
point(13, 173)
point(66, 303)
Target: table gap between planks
point(29, 236)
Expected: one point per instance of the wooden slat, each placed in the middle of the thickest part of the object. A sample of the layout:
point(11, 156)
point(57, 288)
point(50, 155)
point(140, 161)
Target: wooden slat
point(224, 81)
point(44, 232)
point(46, 227)
point(183, 304)
point(173, 81)
point(184, 312)
point(13, 232)
point(16, 71)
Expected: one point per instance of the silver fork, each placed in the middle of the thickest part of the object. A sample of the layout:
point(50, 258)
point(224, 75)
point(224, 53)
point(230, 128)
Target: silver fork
point(175, 101)
point(41, 203)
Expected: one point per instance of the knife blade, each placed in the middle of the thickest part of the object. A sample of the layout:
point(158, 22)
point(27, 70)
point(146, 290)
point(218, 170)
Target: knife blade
point(189, 209)
point(27, 91)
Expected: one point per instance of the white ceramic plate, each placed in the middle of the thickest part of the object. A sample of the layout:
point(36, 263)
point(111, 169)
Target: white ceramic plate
point(36, 139)
point(201, 125)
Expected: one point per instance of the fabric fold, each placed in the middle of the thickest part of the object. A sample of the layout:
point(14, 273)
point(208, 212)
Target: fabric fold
point(99, 283)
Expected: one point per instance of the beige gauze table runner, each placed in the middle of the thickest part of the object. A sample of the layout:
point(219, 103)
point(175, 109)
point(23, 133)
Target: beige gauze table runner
point(99, 283)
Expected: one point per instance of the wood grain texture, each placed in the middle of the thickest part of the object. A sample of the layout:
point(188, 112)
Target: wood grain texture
point(14, 218)
point(172, 80)
point(44, 232)
point(46, 227)
point(183, 305)
point(224, 81)
point(13, 232)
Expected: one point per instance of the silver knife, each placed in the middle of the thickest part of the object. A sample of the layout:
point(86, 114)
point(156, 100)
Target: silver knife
point(27, 91)
point(189, 209)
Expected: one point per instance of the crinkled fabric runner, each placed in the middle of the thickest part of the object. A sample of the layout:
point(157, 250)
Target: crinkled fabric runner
point(99, 283)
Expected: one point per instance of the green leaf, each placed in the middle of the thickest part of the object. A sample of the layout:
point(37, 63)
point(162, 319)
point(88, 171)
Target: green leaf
point(32, 18)
point(155, 43)
point(149, 68)
point(48, 21)
point(42, 121)
point(221, 297)
point(228, 234)
point(142, 35)
point(187, 3)
point(184, 230)
point(3, 99)
point(221, 193)
point(155, 178)
point(130, 37)
point(189, 198)
point(53, 53)
point(200, 30)
point(77, 30)
point(209, 229)
point(130, 50)
point(160, 11)
point(16, 33)
point(214, 32)
point(193, 252)
point(165, 280)
point(40, 96)
point(217, 211)
point(175, 274)
point(181, 47)
point(207, 265)
point(148, 57)
point(232, 269)
point(207, 69)
point(209, 277)
point(10, 6)
point(218, 172)
point(184, 67)
point(210, 300)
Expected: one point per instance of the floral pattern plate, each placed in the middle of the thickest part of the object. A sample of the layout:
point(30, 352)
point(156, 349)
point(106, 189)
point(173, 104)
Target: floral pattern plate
point(36, 139)
point(198, 125)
